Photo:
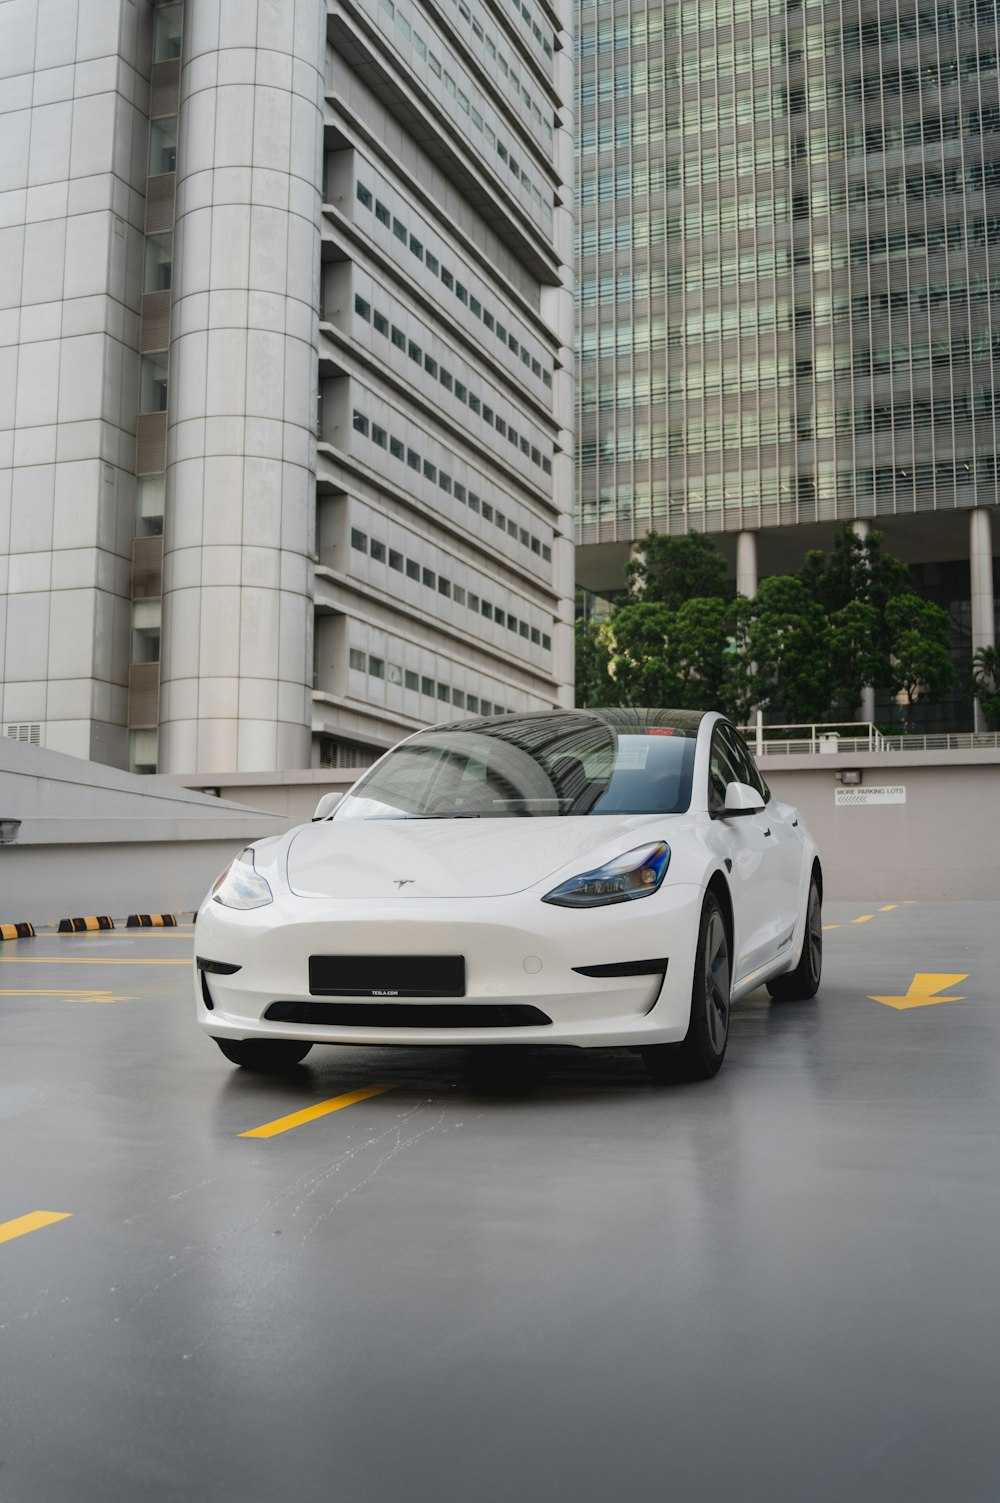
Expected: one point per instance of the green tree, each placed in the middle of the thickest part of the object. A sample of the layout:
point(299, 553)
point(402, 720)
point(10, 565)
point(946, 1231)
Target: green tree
point(788, 641)
point(739, 693)
point(857, 657)
point(698, 642)
point(919, 639)
point(668, 571)
point(986, 684)
point(856, 572)
point(593, 684)
point(854, 569)
point(635, 640)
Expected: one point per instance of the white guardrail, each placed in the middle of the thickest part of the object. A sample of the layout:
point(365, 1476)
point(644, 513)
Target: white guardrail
point(851, 737)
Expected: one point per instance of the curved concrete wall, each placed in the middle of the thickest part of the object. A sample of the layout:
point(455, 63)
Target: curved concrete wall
point(241, 461)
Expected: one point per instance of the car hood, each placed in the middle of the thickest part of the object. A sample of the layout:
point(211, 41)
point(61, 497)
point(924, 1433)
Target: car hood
point(453, 858)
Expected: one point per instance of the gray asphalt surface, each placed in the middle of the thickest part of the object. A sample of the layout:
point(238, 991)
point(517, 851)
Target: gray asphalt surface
point(535, 1277)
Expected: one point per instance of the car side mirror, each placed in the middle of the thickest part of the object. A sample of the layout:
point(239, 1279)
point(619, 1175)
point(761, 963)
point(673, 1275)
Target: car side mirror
point(326, 805)
point(741, 801)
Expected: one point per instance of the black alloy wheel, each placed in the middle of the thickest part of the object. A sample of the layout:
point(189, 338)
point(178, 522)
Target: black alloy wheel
point(701, 1054)
point(802, 983)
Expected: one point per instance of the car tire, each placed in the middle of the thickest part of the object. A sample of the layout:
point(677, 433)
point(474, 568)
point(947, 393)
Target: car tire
point(271, 1056)
point(701, 1054)
point(802, 983)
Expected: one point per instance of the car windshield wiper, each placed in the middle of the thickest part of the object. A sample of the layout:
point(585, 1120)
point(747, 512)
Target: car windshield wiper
point(456, 815)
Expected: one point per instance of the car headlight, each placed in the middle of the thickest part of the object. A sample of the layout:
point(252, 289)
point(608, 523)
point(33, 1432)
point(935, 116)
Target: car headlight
point(241, 885)
point(636, 874)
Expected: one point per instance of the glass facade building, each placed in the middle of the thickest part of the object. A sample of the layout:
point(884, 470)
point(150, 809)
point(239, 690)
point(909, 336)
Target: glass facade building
point(789, 291)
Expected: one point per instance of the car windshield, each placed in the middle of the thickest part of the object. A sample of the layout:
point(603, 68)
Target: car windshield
point(542, 766)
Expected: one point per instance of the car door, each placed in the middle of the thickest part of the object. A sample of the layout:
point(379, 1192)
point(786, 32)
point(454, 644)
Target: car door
point(784, 855)
point(746, 845)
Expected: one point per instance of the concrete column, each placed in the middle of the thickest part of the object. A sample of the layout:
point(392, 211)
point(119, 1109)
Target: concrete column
point(746, 564)
point(860, 529)
point(981, 580)
point(241, 451)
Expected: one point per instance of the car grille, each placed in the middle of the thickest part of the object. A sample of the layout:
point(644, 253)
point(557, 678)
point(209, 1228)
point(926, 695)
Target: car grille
point(409, 1014)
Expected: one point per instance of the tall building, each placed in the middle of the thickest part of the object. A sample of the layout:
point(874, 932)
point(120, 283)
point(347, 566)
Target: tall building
point(286, 385)
point(789, 301)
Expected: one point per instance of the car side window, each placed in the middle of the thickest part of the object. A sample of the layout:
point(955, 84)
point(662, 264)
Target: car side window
point(722, 770)
point(743, 759)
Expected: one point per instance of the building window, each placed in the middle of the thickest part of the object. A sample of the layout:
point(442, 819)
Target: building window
point(359, 540)
point(376, 667)
point(356, 659)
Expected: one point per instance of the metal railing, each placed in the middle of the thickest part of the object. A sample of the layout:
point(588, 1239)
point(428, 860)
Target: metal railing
point(852, 737)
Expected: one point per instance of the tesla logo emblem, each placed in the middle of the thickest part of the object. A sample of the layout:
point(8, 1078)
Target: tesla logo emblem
point(404, 881)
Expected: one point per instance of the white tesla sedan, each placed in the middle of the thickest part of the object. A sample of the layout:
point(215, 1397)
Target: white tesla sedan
point(588, 877)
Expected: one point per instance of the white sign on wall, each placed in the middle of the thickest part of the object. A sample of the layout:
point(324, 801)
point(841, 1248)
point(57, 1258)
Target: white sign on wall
point(884, 793)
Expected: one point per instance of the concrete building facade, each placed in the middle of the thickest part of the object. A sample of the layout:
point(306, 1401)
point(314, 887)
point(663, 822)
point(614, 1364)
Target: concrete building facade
point(789, 305)
point(286, 374)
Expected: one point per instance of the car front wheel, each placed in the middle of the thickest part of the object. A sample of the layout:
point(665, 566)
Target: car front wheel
point(270, 1056)
point(701, 1054)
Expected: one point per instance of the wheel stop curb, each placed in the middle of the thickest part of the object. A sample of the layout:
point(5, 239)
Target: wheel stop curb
point(17, 931)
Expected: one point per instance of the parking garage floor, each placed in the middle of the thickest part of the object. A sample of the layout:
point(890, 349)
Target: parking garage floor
point(531, 1275)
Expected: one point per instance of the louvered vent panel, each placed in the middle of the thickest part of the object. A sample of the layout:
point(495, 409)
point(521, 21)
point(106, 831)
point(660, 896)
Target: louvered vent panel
point(151, 444)
point(31, 734)
point(154, 331)
point(147, 568)
point(143, 695)
point(164, 91)
point(160, 202)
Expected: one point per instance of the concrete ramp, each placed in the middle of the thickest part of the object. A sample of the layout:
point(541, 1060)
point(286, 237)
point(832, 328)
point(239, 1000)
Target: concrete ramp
point(81, 838)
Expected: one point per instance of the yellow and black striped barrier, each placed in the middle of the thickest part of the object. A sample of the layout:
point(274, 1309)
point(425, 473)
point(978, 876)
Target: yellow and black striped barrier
point(85, 925)
point(17, 931)
point(151, 921)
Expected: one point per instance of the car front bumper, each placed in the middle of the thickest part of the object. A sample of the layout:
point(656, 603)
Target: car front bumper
point(517, 949)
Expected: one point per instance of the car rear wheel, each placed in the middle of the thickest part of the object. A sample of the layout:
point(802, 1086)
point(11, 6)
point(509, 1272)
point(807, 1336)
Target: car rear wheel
point(701, 1054)
point(802, 983)
point(269, 1055)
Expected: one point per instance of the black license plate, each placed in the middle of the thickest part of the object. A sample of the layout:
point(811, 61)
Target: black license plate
point(387, 975)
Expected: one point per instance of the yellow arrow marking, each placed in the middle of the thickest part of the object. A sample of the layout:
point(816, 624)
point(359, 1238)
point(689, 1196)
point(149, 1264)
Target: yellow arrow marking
point(74, 994)
point(923, 989)
point(322, 1109)
point(33, 1223)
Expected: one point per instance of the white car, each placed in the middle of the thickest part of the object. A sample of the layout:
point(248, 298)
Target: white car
point(588, 877)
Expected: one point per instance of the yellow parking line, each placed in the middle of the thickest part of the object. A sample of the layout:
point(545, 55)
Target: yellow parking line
point(74, 992)
point(863, 919)
point(830, 926)
point(33, 1223)
point(310, 1114)
point(888, 907)
point(84, 960)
